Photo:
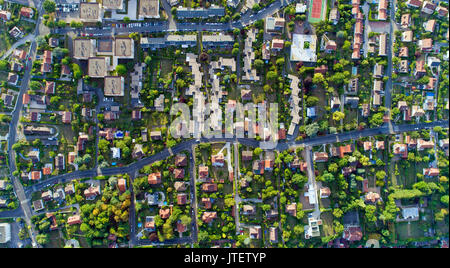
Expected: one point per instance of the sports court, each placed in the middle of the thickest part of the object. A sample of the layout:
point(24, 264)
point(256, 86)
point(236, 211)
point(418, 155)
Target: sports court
point(317, 10)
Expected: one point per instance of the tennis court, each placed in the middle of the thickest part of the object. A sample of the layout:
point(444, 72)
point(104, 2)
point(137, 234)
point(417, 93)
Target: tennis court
point(317, 10)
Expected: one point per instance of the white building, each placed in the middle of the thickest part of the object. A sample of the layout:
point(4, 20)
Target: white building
point(5, 233)
point(303, 48)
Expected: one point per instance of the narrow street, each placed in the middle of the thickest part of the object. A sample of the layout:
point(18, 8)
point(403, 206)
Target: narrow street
point(312, 179)
point(237, 175)
point(18, 187)
point(193, 176)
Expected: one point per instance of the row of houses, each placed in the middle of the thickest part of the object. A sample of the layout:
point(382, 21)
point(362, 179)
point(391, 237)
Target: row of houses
point(91, 12)
point(26, 12)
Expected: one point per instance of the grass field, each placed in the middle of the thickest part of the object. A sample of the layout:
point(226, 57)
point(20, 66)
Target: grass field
point(407, 230)
point(5, 40)
point(327, 223)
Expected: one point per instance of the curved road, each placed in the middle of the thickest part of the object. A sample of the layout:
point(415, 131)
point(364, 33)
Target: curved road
point(187, 146)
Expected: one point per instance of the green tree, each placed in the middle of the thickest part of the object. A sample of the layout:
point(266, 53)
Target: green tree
point(272, 76)
point(49, 6)
point(4, 65)
point(337, 116)
point(121, 70)
point(312, 129)
point(42, 239)
point(258, 64)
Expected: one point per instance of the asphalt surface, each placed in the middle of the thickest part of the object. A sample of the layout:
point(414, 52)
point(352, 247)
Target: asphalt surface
point(18, 188)
point(187, 146)
point(171, 26)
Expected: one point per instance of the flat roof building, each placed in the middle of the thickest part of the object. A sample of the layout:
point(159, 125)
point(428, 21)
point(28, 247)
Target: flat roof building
point(217, 40)
point(124, 48)
point(5, 233)
point(83, 48)
point(112, 4)
point(90, 12)
point(114, 86)
point(303, 48)
point(149, 9)
point(189, 13)
point(97, 67)
point(105, 46)
point(169, 40)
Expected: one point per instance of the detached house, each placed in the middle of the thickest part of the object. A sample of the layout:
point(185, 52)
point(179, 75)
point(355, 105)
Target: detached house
point(208, 217)
point(382, 9)
point(203, 172)
point(334, 15)
point(414, 3)
point(420, 68)
point(59, 162)
point(330, 46)
point(401, 150)
point(154, 178)
point(407, 36)
point(274, 24)
point(5, 15)
point(180, 160)
point(426, 45)
point(49, 87)
point(66, 117)
point(429, 25)
point(76, 219)
point(13, 79)
point(442, 12)
point(34, 175)
point(320, 157)
point(92, 192)
point(403, 52)
point(405, 21)
point(26, 12)
point(423, 144)
point(47, 61)
point(431, 172)
point(218, 160)
point(428, 7)
point(209, 187)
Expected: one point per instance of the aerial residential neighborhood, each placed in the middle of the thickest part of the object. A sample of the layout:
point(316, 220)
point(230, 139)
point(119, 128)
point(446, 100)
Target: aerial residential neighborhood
point(224, 124)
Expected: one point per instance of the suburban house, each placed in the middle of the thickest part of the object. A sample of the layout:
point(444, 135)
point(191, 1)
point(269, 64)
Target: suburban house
point(75, 219)
point(320, 157)
point(92, 192)
point(154, 178)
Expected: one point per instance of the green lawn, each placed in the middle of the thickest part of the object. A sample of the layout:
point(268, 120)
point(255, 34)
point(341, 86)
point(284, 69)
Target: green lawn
point(327, 223)
point(407, 230)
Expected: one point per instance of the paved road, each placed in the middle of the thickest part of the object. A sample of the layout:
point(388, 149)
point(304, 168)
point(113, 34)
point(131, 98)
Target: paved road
point(171, 26)
point(193, 188)
point(237, 198)
point(20, 42)
point(12, 213)
point(390, 51)
point(187, 146)
point(18, 188)
point(132, 213)
point(312, 179)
